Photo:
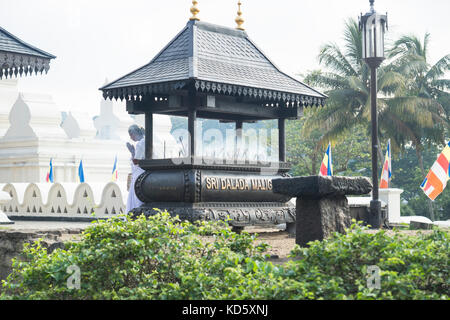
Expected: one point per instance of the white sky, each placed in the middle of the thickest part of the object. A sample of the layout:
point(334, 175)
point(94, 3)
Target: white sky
point(96, 40)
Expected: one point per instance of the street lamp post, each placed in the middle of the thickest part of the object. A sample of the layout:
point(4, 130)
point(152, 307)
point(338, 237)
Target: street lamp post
point(373, 26)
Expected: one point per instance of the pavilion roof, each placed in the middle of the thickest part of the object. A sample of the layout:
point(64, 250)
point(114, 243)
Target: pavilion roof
point(218, 60)
point(18, 57)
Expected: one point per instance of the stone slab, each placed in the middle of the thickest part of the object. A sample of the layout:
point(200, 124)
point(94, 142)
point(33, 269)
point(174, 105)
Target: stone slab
point(417, 225)
point(52, 235)
point(45, 225)
point(319, 187)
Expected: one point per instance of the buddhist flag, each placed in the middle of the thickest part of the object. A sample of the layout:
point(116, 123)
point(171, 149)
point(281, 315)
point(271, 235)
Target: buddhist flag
point(386, 174)
point(437, 178)
point(327, 164)
point(115, 172)
point(49, 177)
point(81, 172)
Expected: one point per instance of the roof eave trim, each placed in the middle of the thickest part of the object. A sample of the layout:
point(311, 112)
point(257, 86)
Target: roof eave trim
point(18, 64)
point(135, 93)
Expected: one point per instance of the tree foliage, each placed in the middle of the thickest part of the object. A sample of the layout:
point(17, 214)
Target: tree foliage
point(405, 116)
point(305, 150)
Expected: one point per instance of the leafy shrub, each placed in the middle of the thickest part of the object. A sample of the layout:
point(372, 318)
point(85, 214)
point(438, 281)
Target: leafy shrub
point(412, 267)
point(161, 257)
point(158, 257)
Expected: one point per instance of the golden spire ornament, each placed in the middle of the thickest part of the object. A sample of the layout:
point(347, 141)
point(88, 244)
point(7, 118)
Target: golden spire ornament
point(239, 20)
point(194, 11)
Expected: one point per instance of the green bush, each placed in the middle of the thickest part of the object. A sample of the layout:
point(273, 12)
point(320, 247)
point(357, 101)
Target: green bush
point(161, 257)
point(155, 258)
point(412, 267)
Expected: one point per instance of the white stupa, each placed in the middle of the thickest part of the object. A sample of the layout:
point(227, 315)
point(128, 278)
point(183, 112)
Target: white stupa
point(9, 94)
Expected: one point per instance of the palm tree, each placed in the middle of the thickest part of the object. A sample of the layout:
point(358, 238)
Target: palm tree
point(400, 110)
point(405, 116)
point(410, 57)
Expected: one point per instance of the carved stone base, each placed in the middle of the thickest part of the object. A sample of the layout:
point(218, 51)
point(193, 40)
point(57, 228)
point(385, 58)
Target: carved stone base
point(240, 214)
point(318, 219)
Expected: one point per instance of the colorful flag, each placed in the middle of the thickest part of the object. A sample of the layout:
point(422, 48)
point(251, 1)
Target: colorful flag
point(49, 177)
point(387, 169)
point(437, 178)
point(327, 164)
point(81, 172)
point(115, 172)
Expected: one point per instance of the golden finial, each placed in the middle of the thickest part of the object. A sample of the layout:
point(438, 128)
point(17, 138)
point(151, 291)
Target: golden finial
point(194, 11)
point(239, 20)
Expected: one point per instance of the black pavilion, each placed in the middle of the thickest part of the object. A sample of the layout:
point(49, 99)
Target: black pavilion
point(213, 72)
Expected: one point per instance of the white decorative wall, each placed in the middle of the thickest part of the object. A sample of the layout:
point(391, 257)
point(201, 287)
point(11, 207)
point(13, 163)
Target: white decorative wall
point(64, 200)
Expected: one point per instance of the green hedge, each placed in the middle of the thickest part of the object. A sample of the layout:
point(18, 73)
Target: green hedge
point(161, 257)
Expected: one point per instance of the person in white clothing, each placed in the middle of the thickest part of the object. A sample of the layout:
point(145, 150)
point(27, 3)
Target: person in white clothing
point(137, 153)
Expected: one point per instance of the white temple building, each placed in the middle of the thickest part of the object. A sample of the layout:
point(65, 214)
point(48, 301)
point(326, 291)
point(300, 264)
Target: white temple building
point(33, 130)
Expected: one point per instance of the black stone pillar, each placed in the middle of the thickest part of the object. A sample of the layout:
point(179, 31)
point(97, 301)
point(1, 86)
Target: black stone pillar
point(149, 136)
point(192, 119)
point(317, 219)
point(282, 140)
point(322, 206)
point(239, 128)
